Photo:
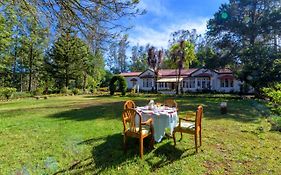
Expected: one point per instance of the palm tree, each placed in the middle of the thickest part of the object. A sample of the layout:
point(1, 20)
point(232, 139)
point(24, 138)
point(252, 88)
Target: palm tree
point(154, 60)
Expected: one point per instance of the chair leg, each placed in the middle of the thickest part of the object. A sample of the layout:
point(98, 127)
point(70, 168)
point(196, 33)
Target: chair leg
point(152, 142)
point(124, 143)
point(141, 147)
point(174, 138)
point(200, 137)
point(181, 136)
point(195, 139)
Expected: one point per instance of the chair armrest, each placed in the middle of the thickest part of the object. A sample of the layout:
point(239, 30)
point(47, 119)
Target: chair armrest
point(188, 119)
point(147, 122)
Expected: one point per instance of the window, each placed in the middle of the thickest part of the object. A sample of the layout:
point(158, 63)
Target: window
point(134, 83)
point(222, 82)
point(147, 83)
point(226, 83)
point(192, 83)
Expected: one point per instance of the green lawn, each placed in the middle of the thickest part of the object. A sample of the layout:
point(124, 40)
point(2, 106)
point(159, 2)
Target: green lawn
point(82, 135)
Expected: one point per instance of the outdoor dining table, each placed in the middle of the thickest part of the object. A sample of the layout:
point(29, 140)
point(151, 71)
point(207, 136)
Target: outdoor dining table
point(163, 117)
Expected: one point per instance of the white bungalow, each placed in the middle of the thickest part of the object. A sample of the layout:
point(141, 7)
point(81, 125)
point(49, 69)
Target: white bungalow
point(193, 80)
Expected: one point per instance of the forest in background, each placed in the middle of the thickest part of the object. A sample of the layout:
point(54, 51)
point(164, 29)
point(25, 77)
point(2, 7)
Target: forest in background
point(52, 46)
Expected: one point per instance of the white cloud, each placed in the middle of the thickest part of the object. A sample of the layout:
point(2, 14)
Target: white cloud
point(156, 7)
point(143, 35)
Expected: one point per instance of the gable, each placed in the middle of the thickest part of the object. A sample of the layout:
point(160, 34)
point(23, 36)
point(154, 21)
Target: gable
point(147, 74)
point(203, 73)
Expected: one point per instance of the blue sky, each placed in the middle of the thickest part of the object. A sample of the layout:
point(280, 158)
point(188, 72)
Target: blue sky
point(166, 16)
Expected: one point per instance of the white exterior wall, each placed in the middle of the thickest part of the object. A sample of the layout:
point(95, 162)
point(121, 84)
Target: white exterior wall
point(146, 73)
point(130, 83)
point(214, 82)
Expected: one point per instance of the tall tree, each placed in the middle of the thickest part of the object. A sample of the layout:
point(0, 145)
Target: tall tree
point(185, 35)
point(182, 55)
point(122, 57)
point(95, 19)
point(65, 59)
point(241, 28)
point(139, 58)
point(117, 58)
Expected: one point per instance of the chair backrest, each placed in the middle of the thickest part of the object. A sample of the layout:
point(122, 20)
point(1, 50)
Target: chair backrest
point(129, 104)
point(199, 115)
point(130, 120)
point(170, 103)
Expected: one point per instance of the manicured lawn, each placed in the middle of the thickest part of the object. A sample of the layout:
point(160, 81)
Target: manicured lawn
point(82, 135)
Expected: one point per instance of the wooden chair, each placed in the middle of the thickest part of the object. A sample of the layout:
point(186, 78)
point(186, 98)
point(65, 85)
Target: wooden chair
point(138, 130)
point(171, 103)
point(191, 127)
point(129, 104)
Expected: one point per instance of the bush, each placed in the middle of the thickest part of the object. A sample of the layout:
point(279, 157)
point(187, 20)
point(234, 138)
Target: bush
point(122, 85)
point(75, 91)
point(274, 95)
point(275, 122)
point(22, 95)
point(64, 90)
point(7, 92)
point(38, 91)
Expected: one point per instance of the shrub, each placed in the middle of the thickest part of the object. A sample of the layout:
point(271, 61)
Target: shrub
point(7, 92)
point(22, 95)
point(275, 122)
point(38, 91)
point(64, 90)
point(75, 91)
point(122, 85)
point(274, 94)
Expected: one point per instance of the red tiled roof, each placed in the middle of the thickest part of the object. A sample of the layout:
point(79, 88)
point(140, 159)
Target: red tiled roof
point(130, 74)
point(174, 72)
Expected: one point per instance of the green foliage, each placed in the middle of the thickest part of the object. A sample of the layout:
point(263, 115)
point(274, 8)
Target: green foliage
point(121, 82)
point(274, 93)
point(70, 63)
point(7, 92)
point(139, 58)
point(38, 91)
point(189, 54)
point(64, 90)
point(245, 33)
point(276, 123)
point(75, 91)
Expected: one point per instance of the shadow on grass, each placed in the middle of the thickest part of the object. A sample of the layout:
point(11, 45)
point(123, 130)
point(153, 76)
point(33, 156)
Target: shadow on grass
point(107, 152)
point(110, 110)
point(238, 109)
point(168, 154)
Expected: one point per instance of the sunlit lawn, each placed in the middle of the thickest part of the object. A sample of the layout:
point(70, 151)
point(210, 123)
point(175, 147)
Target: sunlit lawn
point(82, 135)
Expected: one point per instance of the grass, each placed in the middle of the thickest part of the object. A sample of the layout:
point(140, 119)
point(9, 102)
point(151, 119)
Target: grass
point(82, 135)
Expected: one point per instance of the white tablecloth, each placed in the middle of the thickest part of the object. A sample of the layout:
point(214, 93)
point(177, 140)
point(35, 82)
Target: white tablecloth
point(163, 117)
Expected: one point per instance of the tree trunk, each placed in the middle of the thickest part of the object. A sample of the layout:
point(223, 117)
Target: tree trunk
point(21, 79)
point(156, 77)
point(178, 82)
point(66, 77)
point(15, 63)
point(30, 68)
point(84, 81)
